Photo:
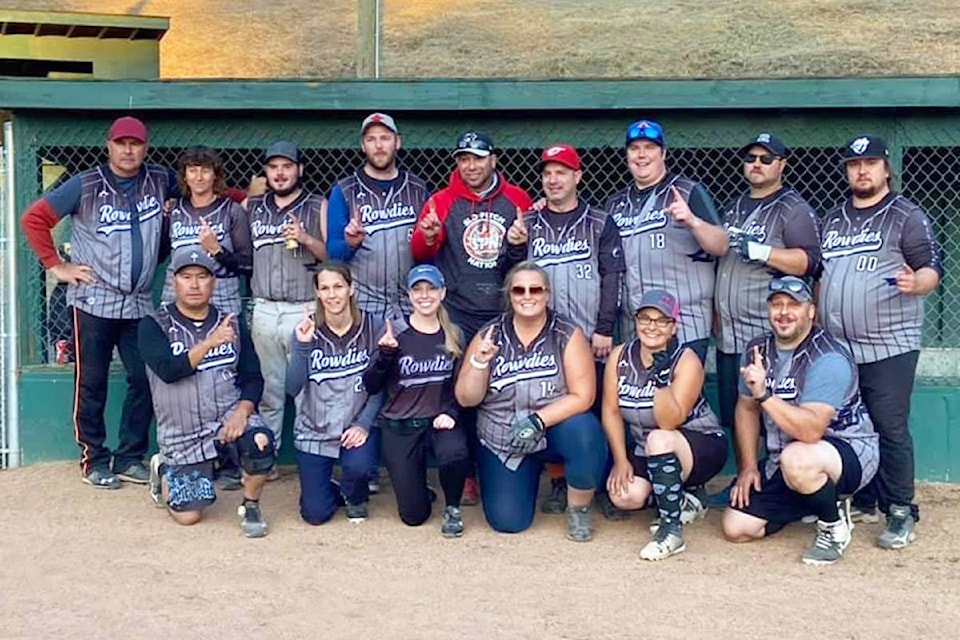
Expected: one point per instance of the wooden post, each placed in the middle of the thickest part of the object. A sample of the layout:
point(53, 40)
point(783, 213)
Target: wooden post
point(368, 38)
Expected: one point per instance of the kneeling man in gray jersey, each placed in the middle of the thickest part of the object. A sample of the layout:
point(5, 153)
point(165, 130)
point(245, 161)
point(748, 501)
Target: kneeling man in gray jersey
point(802, 386)
point(206, 383)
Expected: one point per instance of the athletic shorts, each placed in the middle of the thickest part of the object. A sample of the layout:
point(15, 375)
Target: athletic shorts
point(780, 505)
point(709, 455)
point(191, 486)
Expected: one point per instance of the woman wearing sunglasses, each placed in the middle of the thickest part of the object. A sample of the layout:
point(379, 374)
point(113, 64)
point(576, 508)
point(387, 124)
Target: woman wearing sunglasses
point(416, 367)
point(530, 374)
point(656, 388)
point(329, 357)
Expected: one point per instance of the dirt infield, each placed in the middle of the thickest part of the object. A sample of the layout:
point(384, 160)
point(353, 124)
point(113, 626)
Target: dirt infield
point(80, 563)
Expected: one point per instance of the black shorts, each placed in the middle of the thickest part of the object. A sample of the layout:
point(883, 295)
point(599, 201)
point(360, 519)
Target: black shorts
point(709, 456)
point(780, 505)
point(190, 486)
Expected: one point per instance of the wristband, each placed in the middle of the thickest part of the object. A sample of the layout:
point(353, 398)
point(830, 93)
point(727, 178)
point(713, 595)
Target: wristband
point(766, 396)
point(759, 252)
point(476, 364)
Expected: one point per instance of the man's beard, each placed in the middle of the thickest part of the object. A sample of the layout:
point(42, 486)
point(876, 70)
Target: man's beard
point(285, 192)
point(866, 192)
point(382, 166)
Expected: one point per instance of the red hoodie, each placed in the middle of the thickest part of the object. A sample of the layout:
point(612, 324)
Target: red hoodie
point(466, 250)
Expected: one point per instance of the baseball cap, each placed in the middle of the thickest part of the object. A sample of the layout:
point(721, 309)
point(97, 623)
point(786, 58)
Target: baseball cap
point(645, 130)
point(282, 149)
point(562, 153)
point(128, 127)
point(476, 143)
point(796, 288)
point(768, 141)
point(193, 257)
point(425, 273)
point(661, 300)
point(381, 119)
point(866, 146)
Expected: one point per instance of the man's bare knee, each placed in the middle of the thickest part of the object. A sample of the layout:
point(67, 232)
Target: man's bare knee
point(740, 527)
point(801, 469)
point(660, 442)
point(186, 518)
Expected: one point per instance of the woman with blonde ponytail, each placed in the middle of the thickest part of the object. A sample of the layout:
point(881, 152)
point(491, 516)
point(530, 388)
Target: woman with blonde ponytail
point(417, 368)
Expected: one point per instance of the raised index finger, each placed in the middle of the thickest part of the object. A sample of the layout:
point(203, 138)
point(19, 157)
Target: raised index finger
point(228, 319)
point(519, 215)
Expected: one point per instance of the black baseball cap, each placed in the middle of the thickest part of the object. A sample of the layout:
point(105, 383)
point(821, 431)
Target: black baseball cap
point(476, 143)
point(768, 141)
point(866, 146)
point(796, 288)
point(282, 149)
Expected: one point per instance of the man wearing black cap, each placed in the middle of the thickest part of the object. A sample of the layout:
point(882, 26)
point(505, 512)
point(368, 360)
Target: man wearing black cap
point(773, 231)
point(671, 234)
point(287, 234)
point(117, 228)
point(462, 229)
point(206, 383)
point(799, 383)
point(880, 259)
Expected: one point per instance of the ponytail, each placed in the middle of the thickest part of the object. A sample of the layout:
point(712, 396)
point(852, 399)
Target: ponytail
point(451, 333)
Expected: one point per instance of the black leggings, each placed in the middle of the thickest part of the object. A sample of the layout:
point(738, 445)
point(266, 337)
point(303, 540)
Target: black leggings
point(405, 450)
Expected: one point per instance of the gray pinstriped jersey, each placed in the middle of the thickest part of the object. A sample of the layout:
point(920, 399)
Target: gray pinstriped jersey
point(850, 423)
point(635, 398)
point(570, 254)
point(662, 254)
point(101, 237)
point(333, 394)
point(185, 231)
point(381, 263)
point(859, 302)
point(191, 410)
point(278, 273)
point(741, 294)
point(521, 381)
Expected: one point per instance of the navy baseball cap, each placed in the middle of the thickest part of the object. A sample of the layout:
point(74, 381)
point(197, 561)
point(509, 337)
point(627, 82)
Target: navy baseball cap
point(193, 256)
point(644, 130)
point(661, 300)
point(768, 141)
point(282, 149)
point(425, 273)
point(866, 147)
point(476, 143)
point(796, 288)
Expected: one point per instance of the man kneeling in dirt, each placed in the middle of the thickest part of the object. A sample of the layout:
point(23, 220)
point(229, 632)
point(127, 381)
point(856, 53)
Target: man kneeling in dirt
point(206, 383)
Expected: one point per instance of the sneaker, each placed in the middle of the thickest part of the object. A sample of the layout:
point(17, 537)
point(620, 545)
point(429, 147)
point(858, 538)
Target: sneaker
point(432, 493)
point(452, 524)
point(899, 531)
point(251, 521)
point(810, 518)
point(828, 545)
point(357, 512)
point(720, 499)
point(273, 475)
point(373, 483)
point(609, 510)
point(864, 515)
point(693, 507)
point(102, 479)
point(471, 493)
point(156, 488)
point(135, 473)
point(227, 482)
point(578, 524)
point(667, 541)
point(557, 501)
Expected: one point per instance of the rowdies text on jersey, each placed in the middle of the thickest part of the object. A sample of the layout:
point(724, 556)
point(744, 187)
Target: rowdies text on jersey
point(569, 250)
point(112, 219)
point(376, 219)
point(642, 222)
point(635, 396)
point(415, 372)
point(216, 357)
point(184, 233)
point(533, 365)
point(265, 233)
point(482, 236)
point(325, 366)
point(836, 244)
point(784, 388)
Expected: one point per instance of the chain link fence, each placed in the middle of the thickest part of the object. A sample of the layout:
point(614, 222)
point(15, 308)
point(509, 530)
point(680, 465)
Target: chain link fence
point(699, 147)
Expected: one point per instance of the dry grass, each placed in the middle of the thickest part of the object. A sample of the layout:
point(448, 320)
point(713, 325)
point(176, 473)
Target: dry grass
point(554, 38)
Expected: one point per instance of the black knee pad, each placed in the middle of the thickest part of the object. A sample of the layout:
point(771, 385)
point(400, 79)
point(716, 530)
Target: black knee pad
point(254, 461)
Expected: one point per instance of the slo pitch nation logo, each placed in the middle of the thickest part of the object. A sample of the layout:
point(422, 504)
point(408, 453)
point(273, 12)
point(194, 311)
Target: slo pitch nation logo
point(482, 236)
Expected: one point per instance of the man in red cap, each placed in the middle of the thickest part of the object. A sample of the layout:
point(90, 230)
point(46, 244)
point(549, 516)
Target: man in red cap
point(116, 234)
point(579, 247)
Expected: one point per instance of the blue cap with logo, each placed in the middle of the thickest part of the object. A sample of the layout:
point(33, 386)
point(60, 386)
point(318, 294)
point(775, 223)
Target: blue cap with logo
point(645, 130)
point(425, 273)
point(475, 143)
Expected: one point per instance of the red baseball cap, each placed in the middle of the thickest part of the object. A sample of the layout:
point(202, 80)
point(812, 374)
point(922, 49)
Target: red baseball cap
point(128, 127)
point(562, 153)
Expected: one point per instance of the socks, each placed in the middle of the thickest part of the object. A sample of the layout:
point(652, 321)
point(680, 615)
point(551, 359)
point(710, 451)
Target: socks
point(665, 475)
point(823, 502)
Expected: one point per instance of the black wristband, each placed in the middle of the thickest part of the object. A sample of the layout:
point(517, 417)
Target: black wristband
point(766, 396)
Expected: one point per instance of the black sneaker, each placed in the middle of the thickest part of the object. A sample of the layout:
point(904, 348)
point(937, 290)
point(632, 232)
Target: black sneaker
point(452, 524)
point(899, 530)
point(102, 479)
point(252, 523)
point(557, 500)
point(357, 512)
point(135, 472)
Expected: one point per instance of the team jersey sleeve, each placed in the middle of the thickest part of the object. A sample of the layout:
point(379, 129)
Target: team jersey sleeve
point(611, 266)
point(297, 367)
point(701, 203)
point(156, 353)
point(827, 381)
point(919, 245)
point(65, 199)
point(338, 216)
point(240, 260)
point(249, 377)
point(381, 369)
point(801, 231)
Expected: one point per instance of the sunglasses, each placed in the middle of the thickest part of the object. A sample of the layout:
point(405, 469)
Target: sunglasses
point(793, 286)
point(535, 290)
point(645, 129)
point(662, 322)
point(764, 158)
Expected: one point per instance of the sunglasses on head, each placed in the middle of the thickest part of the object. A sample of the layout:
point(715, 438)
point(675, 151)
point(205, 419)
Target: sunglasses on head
point(645, 129)
point(793, 286)
point(764, 158)
point(535, 290)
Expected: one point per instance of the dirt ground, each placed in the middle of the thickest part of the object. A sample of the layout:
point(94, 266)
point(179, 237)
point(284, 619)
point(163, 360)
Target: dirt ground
point(75, 562)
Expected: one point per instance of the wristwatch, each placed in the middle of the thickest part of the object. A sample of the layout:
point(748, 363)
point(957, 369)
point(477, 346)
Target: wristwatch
point(766, 396)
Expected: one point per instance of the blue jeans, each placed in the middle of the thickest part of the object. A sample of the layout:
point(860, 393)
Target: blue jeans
point(318, 496)
point(510, 497)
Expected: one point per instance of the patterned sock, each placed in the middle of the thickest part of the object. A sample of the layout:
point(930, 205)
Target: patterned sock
point(664, 472)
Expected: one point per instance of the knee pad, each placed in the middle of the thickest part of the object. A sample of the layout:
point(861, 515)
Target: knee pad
point(252, 460)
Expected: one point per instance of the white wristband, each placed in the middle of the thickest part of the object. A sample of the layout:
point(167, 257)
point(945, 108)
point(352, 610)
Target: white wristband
point(757, 251)
point(476, 364)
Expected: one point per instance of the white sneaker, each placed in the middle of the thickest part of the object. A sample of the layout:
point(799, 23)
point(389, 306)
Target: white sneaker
point(828, 545)
point(692, 508)
point(156, 488)
point(666, 542)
